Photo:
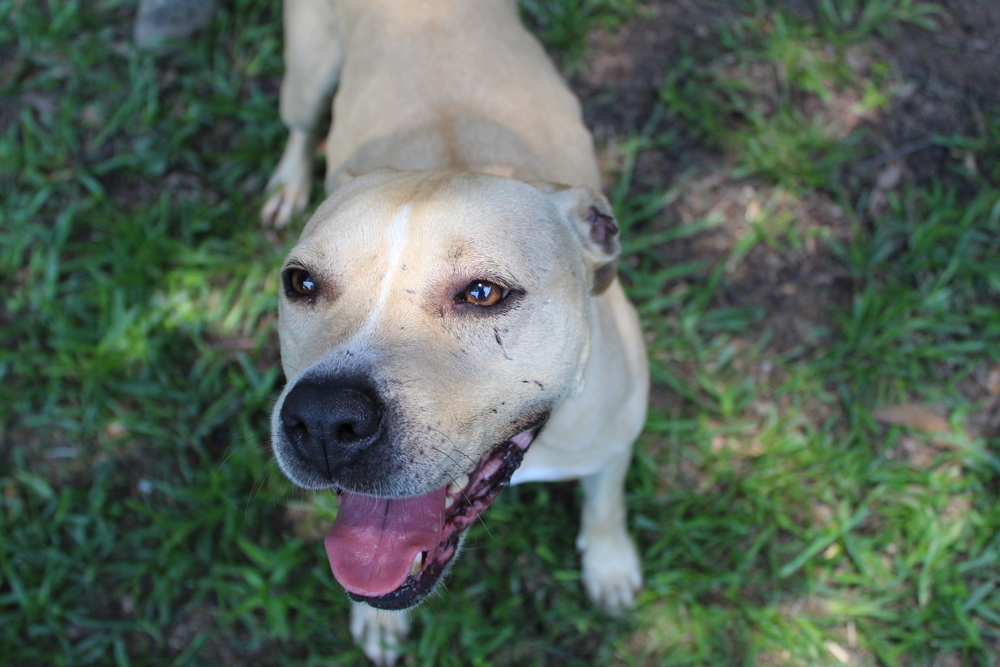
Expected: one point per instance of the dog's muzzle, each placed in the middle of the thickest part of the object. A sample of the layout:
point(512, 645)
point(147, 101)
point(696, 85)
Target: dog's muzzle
point(386, 550)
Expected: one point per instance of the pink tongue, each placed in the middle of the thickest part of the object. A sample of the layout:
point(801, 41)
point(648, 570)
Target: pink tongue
point(372, 544)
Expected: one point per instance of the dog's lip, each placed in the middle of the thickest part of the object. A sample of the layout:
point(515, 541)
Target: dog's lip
point(415, 571)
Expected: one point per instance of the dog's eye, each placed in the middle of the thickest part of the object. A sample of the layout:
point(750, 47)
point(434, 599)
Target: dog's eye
point(483, 293)
point(298, 282)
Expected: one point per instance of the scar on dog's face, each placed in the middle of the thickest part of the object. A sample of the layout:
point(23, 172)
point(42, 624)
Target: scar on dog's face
point(445, 313)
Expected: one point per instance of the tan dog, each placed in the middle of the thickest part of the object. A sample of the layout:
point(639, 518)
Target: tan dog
point(451, 310)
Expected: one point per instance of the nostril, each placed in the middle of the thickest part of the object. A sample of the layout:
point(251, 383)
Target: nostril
point(363, 423)
point(295, 429)
point(346, 433)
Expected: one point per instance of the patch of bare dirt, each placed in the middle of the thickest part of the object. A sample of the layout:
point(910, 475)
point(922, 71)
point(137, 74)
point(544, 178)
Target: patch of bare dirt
point(945, 81)
point(620, 90)
point(955, 74)
point(620, 85)
point(795, 285)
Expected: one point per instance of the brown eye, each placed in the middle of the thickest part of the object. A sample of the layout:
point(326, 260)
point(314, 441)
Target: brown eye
point(298, 282)
point(483, 293)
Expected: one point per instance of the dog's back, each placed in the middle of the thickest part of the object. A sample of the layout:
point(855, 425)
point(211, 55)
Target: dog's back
point(409, 99)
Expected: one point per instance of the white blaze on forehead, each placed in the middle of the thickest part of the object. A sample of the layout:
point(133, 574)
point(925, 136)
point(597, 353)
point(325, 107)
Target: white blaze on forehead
point(397, 235)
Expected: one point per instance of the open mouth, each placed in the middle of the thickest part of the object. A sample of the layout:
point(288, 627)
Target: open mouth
point(391, 552)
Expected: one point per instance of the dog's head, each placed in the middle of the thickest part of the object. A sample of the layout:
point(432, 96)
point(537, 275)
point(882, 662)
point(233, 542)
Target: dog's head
point(429, 323)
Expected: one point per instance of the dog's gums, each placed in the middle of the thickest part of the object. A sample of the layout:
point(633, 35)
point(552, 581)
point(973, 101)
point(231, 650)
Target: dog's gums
point(390, 552)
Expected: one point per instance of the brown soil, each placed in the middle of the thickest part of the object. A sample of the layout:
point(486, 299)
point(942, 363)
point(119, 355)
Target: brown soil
point(948, 80)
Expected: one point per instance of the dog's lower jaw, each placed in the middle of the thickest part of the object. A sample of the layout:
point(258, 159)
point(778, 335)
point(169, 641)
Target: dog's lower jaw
point(421, 582)
point(463, 503)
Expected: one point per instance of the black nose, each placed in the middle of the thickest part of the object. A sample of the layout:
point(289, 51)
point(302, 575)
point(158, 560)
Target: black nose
point(330, 422)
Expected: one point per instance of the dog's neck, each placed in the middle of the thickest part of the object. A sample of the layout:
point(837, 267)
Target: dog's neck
point(464, 143)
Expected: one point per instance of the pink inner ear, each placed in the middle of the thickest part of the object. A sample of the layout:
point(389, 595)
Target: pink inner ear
point(602, 227)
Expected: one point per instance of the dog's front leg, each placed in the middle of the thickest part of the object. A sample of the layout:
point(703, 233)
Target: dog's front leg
point(313, 56)
point(611, 571)
point(379, 633)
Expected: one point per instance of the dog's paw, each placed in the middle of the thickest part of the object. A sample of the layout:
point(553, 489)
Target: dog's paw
point(379, 633)
point(288, 199)
point(612, 574)
point(289, 186)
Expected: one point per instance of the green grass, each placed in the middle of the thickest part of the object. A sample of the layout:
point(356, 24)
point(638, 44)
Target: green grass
point(143, 521)
point(564, 26)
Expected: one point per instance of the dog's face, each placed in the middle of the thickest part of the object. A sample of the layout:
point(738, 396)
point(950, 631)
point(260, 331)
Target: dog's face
point(429, 323)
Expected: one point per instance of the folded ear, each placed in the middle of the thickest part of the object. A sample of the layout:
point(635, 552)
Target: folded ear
point(591, 216)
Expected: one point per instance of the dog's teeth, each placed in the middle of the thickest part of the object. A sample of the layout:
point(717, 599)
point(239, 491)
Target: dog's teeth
point(491, 467)
point(418, 562)
point(522, 440)
point(449, 500)
point(460, 483)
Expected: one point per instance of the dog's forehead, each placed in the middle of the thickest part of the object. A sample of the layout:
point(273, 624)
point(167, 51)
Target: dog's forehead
point(458, 219)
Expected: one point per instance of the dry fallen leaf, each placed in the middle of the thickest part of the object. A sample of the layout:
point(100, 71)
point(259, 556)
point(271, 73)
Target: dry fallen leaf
point(914, 416)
